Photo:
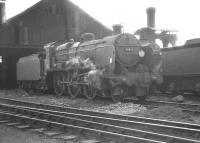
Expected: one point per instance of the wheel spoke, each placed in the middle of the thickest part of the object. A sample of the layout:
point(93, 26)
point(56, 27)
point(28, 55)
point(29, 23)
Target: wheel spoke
point(89, 92)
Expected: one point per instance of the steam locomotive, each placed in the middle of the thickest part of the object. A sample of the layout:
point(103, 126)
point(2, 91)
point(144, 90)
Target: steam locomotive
point(117, 66)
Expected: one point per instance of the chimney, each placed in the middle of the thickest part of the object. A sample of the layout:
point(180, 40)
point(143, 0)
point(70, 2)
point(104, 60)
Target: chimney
point(2, 12)
point(117, 28)
point(151, 17)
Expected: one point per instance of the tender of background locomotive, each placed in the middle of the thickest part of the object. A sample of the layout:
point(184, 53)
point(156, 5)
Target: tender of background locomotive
point(116, 66)
point(181, 68)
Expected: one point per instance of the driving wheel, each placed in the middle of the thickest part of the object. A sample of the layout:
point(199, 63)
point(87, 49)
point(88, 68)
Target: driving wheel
point(118, 94)
point(73, 87)
point(89, 92)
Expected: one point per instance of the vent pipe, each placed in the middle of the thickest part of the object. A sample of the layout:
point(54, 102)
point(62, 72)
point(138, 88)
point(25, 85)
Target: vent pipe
point(151, 17)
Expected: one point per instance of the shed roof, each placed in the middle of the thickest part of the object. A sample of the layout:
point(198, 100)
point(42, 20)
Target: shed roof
point(10, 20)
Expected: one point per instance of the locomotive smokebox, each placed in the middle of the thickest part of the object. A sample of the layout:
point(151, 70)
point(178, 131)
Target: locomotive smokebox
point(151, 17)
point(117, 28)
point(2, 12)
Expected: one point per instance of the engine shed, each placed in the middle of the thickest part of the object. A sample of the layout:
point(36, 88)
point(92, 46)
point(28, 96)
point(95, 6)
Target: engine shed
point(44, 22)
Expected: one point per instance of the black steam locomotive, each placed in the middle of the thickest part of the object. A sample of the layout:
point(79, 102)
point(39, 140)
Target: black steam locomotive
point(116, 66)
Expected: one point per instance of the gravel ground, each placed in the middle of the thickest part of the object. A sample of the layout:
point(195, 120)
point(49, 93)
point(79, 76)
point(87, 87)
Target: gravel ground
point(120, 108)
point(102, 105)
point(168, 113)
point(12, 135)
point(188, 98)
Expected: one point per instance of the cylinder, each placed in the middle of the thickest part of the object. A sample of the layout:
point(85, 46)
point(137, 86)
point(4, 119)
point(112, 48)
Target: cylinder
point(151, 17)
point(117, 29)
point(2, 12)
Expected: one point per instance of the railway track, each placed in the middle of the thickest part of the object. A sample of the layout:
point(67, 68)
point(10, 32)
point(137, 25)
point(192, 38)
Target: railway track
point(110, 127)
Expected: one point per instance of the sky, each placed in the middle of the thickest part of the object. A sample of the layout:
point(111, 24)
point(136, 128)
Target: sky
point(180, 15)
